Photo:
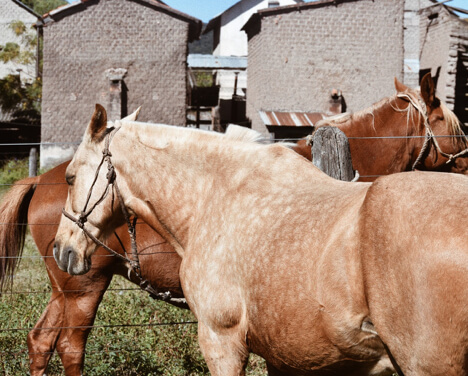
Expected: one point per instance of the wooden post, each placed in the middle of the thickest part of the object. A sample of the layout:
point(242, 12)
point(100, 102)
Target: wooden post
point(33, 162)
point(215, 119)
point(330, 153)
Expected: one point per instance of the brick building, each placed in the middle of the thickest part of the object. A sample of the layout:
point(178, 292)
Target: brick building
point(120, 53)
point(229, 39)
point(444, 53)
point(299, 54)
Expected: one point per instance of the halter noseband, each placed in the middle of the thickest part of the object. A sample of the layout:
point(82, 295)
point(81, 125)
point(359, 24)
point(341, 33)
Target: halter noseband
point(134, 262)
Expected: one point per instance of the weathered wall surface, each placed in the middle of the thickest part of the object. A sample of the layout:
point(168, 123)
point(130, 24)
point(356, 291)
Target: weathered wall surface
point(110, 34)
point(297, 57)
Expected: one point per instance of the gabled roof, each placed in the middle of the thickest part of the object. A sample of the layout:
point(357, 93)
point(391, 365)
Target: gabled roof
point(195, 25)
point(251, 27)
point(215, 22)
point(25, 7)
point(450, 8)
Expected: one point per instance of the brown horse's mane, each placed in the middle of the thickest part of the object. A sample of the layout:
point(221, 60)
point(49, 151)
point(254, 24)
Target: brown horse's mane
point(416, 109)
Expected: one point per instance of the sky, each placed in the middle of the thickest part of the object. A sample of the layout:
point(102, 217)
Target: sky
point(205, 10)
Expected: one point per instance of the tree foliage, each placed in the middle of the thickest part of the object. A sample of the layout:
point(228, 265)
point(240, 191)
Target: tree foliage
point(21, 100)
point(43, 6)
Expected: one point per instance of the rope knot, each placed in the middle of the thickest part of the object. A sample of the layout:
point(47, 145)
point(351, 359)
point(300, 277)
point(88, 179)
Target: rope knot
point(110, 174)
point(451, 157)
point(82, 219)
point(106, 152)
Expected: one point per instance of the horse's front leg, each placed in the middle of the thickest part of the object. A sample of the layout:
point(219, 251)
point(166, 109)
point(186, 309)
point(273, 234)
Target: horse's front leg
point(225, 350)
point(41, 340)
point(79, 314)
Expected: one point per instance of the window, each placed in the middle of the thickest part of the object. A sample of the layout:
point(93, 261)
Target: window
point(272, 4)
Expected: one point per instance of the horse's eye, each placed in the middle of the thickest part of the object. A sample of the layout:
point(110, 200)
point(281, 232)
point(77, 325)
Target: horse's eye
point(70, 179)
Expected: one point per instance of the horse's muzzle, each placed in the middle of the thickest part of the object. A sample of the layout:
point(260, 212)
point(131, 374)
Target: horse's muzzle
point(68, 260)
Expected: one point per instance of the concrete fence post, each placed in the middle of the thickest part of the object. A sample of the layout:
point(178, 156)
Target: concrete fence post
point(33, 162)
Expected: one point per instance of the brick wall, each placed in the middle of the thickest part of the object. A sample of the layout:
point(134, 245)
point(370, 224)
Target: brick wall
point(435, 30)
point(78, 49)
point(444, 51)
point(457, 70)
point(297, 57)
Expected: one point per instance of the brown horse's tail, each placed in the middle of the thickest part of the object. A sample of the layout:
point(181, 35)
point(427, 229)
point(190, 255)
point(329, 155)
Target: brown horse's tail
point(13, 220)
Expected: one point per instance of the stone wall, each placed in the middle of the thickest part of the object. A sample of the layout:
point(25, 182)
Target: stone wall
point(81, 47)
point(444, 52)
point(298, 55)
point(435, 30)
point(457, 71)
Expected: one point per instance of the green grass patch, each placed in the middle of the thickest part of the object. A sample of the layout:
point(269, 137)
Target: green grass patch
point(170, 349)
point(167, 349)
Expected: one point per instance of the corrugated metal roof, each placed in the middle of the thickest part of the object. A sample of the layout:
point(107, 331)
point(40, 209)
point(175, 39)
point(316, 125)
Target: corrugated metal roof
point(291, 119)
point(202, 61)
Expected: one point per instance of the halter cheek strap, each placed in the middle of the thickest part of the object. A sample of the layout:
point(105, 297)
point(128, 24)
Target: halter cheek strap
point(429, 134)
point(134, 262)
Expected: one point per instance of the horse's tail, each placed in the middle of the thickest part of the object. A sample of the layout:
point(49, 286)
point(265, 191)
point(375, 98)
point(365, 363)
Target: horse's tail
point(13, 221)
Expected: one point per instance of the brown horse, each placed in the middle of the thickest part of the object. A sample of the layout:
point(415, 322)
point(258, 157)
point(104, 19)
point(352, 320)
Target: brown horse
point(267, 267)
point(410, 130)
point(39, 201)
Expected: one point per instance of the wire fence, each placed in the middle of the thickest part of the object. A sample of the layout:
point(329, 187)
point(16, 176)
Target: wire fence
point(49, 290)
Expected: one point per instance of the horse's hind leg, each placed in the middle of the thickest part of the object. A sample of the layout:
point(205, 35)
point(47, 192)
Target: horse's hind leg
point(41, 340)
point(225, 353)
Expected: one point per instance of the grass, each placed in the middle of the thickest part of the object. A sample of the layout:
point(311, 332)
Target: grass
point(124, 351)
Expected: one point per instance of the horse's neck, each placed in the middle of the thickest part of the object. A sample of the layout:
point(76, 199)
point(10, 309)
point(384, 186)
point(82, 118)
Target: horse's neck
point(170, 183)
point(383, 119)
point(386, 126)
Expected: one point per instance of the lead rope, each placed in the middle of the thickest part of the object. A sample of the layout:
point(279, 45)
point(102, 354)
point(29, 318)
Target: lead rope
point(134, 262)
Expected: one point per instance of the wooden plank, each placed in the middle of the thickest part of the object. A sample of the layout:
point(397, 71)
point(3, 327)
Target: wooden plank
point(331, 154)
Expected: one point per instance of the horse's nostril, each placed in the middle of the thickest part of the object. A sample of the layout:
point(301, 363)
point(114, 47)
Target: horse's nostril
point(56, 250)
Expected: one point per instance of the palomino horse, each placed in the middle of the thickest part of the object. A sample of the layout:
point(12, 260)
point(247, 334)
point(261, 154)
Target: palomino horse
point(410, 130)
point(267, 266)
point(38, 201)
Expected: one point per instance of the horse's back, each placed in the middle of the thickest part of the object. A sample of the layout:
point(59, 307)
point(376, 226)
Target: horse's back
point(414, 252)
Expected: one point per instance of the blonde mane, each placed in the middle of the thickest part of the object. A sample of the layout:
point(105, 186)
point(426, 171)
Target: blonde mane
point(233, 133)
point(417, 108)
point(243, 134)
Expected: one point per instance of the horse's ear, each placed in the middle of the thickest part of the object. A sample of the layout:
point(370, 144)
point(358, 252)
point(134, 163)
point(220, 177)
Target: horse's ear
point(133, 116)
point(428, 89)
point(98, 124)
point(400, 88)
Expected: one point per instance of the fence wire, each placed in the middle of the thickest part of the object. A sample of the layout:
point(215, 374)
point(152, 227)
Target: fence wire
point(49, 290)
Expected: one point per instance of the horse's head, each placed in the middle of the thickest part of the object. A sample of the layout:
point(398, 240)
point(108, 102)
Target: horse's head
point(91, 209)
point(445, 146)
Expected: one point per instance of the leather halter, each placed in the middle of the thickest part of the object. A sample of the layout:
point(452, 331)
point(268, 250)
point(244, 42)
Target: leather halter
point(134, 262)
point(431, 137)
